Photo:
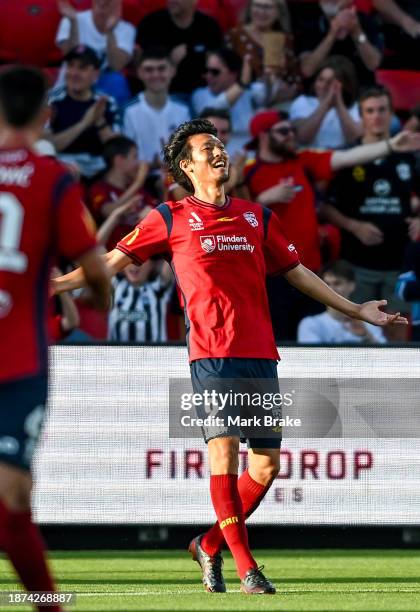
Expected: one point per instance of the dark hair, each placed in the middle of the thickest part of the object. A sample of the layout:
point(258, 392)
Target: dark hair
point(220, 113)
point(178, 148)
point(228, 57)
point(415, 112)
point(345, 72)
point(341, 269)
point(22, 94)
point(377, 91)
point(118, 145)
point(154, 53)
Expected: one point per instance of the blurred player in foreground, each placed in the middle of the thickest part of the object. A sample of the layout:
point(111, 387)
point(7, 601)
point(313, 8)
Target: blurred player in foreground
point(221, 249)
point(41, 216)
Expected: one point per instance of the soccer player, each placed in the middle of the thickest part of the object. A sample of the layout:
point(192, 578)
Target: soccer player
point(41, 216)
point(221, 249)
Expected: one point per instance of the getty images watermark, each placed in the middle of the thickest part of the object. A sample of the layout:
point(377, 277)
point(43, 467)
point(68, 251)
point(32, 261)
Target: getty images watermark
point(248, 408)
point(224, 409)
point(297, 407)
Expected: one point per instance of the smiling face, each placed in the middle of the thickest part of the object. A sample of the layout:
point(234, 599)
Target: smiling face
point(156, 74)
point(80, 77)
point(323, 82)
point(209, 163)
point(263, 14)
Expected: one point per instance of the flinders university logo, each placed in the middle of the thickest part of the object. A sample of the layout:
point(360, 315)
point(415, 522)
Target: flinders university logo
point(251, 218)
point(208, 243)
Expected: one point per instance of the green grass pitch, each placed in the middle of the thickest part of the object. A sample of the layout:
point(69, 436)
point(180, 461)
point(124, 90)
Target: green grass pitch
point(380, 581)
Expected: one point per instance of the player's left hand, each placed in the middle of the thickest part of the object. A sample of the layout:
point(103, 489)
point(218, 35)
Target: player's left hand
point(371, 313)
point(405, 141)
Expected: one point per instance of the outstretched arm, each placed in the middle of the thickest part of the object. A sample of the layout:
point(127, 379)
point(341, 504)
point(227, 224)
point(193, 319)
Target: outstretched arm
point(310, 284)
point(115, 261)
point(363, 154)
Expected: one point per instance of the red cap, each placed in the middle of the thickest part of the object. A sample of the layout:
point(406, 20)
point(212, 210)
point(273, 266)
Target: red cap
point(261, 122)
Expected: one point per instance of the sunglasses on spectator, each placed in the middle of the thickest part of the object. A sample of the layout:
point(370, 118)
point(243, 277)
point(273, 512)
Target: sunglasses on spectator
point(212, 71)
point(150, 69)
point(284, 130)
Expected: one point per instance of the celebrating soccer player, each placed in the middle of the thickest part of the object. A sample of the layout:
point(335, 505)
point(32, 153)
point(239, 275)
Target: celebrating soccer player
point(41, 217)
point(221, 249)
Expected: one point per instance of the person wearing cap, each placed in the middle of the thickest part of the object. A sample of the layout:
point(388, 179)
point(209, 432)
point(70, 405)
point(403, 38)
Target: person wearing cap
point(102, 28)
point(280, 178)
point(82, 119)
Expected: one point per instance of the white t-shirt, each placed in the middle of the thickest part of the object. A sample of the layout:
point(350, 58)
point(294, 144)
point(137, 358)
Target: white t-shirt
point(241, 112)
point(324, 329)
point(150, 127)
point(330, 134)
point(124, 32)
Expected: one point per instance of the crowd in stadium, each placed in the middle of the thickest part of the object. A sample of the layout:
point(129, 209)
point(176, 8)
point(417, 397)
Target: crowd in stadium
point(283, 82)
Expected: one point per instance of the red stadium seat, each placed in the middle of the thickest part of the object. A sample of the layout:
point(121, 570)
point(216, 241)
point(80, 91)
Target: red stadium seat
point(27, 32)
point(404, 86)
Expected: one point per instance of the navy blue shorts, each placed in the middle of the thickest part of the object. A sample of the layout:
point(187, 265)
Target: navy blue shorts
point(253, 378)
point(22, 413)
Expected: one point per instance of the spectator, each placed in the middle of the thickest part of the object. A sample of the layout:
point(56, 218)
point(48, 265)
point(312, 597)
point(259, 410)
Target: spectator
point(142, 296)
point(110, 36)
point(329, 117)
point(413, 124)
point(371, 203)
point(121, 185)
point(408, 286)
point(331, 326)
point(262, 18)
point(279, 178)
point(228, 87)
point(82, 120)
point(402, 32)
point(188, 34)
point(333, 27)
point(152, 116)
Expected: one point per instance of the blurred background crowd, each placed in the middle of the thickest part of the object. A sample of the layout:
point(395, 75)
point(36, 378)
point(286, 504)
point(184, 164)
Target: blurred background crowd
point(282, 81)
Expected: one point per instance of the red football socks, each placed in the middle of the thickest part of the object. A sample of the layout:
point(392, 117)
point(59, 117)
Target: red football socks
point(251, 493)
point(228, 507)
point(22, 542)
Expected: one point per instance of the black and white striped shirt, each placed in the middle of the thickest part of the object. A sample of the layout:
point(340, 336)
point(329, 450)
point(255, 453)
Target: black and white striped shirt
point(139, 313)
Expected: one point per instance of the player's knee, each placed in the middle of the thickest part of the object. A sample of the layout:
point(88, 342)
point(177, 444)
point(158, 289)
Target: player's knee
point(224, 456)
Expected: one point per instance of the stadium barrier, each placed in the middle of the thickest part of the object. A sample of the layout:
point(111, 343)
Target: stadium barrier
point(105, 457)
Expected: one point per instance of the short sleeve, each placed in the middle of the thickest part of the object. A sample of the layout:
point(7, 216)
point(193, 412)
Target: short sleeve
point(317, 164)
point(63, 32)
point(75, 227)
point(308, 332)
point(149, 237)
point(301, 108)
point(125, 35)
point(279, 253)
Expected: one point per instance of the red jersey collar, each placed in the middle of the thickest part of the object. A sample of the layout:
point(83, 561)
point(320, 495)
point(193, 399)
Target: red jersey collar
point(193, 200)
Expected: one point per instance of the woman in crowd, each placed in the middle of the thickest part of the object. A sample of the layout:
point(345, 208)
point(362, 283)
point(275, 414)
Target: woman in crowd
point(328, 117)
point(262, 18)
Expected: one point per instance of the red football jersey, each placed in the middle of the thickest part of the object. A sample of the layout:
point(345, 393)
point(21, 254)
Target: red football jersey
point(101, 193)
point(220, 257)
point(298, 217)
point(41, 216)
